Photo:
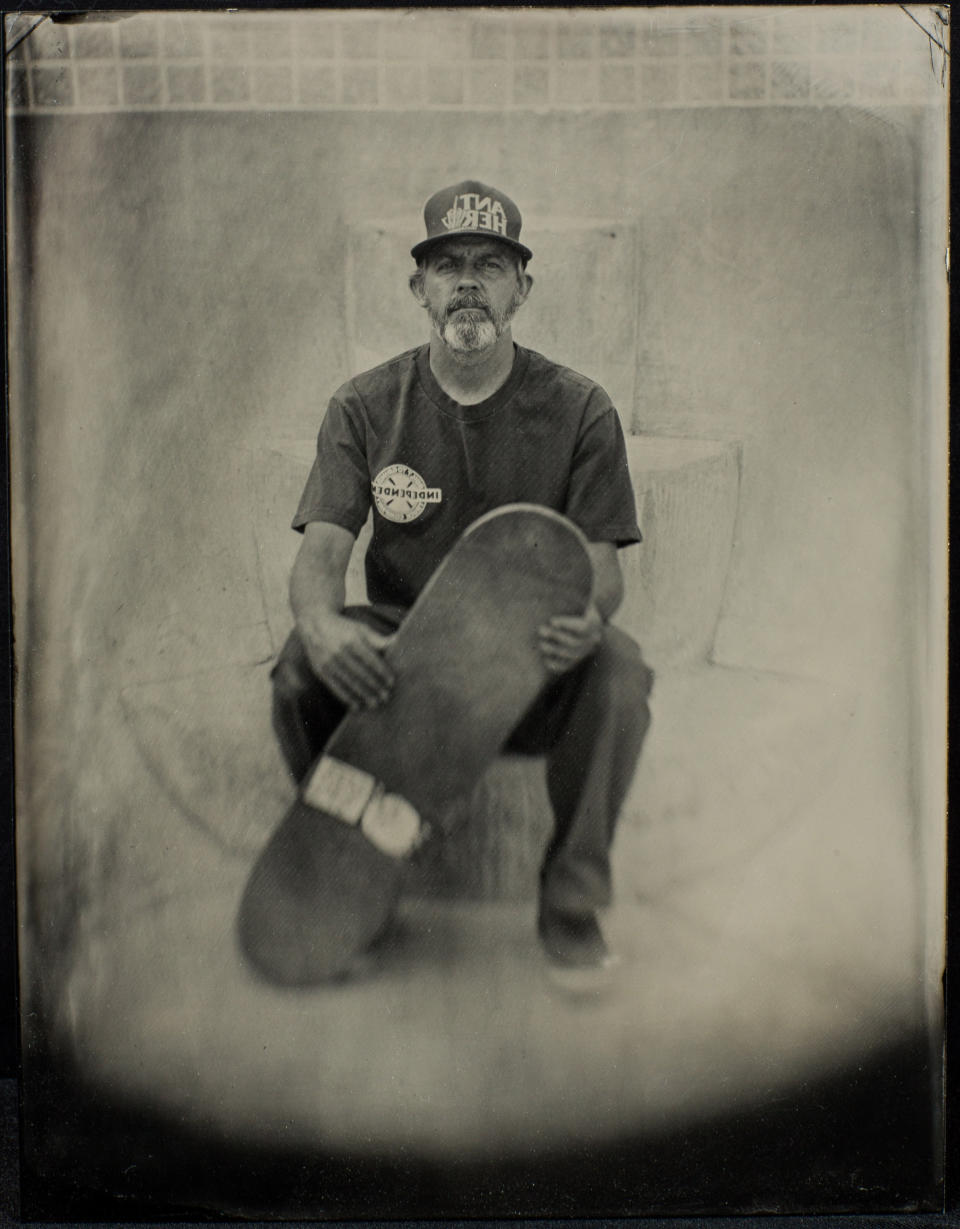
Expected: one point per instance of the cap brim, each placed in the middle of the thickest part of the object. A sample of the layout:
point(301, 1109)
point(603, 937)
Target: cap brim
point(425, 245)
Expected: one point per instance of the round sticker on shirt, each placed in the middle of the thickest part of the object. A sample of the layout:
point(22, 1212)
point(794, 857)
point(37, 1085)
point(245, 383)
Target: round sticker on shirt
point(401, 495)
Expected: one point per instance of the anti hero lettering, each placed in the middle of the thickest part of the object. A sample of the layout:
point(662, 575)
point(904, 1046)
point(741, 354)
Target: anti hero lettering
point(471, 211)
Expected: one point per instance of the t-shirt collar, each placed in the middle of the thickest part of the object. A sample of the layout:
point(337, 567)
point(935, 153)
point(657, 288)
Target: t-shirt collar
point(482, 409)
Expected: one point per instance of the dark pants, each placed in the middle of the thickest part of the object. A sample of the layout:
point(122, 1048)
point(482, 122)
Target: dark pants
point(590, 723)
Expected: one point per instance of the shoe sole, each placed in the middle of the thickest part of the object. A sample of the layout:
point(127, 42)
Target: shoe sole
point(584, 981)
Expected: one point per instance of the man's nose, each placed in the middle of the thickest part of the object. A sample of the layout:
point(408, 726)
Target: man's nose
point(468, 277)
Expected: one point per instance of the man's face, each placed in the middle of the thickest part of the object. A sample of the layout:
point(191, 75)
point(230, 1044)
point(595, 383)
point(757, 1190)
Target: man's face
point(472, 289)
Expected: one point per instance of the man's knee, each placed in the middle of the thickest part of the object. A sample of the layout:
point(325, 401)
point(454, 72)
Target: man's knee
point(304, 712)
point(626, 676)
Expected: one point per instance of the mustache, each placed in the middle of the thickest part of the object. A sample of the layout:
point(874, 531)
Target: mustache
point(468, 301)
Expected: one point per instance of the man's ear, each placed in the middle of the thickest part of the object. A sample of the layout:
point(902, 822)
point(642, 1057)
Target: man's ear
point(526, 285)
point(416, 287)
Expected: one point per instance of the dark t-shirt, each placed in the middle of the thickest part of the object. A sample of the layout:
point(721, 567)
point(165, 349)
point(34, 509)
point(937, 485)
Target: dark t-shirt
point(430, 466)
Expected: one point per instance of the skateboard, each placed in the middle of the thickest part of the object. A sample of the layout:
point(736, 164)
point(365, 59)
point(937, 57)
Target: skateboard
point(467, 665)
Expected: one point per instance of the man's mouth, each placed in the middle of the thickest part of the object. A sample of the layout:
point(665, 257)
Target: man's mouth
point(469, 305)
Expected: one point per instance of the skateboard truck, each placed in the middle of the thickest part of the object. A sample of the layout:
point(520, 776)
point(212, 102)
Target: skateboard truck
point(357, 798)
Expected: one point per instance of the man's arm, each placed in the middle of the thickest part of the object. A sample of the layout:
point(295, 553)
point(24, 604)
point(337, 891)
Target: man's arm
point(345, 654)
point(567, 640)
point(607, 578)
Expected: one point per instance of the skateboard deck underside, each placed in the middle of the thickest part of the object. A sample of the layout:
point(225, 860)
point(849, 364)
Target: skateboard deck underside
point(467, 665)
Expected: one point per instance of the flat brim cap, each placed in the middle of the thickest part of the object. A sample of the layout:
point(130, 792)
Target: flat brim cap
point(471, 208)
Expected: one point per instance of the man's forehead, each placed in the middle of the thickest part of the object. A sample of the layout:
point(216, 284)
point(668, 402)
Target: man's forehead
point(461, 246)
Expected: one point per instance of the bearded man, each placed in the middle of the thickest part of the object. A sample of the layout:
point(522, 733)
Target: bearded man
point(433, 439)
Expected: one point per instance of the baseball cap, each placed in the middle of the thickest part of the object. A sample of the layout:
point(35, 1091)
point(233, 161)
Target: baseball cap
point(471, 208)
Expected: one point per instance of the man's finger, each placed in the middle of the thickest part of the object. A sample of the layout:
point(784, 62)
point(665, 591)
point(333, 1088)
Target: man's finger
point(341, 688)
point(369, 663)
point(556, 648)
point(573, 623)
point(377, 640)
point(356, 687)
point(567, 654)
point(371, 689)
point(561, 639)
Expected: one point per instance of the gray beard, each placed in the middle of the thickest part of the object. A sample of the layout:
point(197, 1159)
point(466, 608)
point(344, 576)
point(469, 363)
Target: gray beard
point(469, 332)
point(474, 330)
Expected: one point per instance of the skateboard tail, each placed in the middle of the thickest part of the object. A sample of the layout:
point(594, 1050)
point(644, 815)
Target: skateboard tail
point(319, 894)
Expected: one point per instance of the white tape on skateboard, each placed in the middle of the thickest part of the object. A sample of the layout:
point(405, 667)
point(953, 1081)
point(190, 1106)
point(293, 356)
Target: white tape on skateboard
point(353, 796)
point(339, 789)
point(392, 824)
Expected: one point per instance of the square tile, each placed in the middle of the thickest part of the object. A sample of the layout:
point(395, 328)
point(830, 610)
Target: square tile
point(838, 31)
point(531, 84)
point(317, 85)
point(315, 40)
point(272, 83)
point(659, 43)
point(659, 83)
point(747, 80)
point(358, 86)
point(883, 28)
point(702, 81)
point(488, 40)
point(749, 37)
point(789, 80)
point(487, 84)
point(229, 83)
point(616, 83)
point(575, 42)
point(831, 82)
point(444, 85)
point(47, 42)
point(616, 41)
point(139, 36)
point(18, 35)
point(576, 83)
point(18, 94)
point(403, 39)
point(703, 39)
point(97, 85)
point(186, 83)
point(442, 36)
point(271, 40)
point(531, 42)
point(402, 85)
point(52, 87)
point(879, 79)
point(228, 42)
point(142, 84)
point(360, 38)
point(792, 32)
point(181, 37)
point(94, 42)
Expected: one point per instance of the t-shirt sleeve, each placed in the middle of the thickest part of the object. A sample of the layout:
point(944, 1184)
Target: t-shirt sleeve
point(338, 486)
point(600, 496)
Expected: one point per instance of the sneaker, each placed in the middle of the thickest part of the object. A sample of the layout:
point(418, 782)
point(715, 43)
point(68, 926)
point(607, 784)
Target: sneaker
point(573, 940)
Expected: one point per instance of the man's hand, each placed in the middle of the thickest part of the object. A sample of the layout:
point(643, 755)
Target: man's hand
point(348, 657)
point(567, 639)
